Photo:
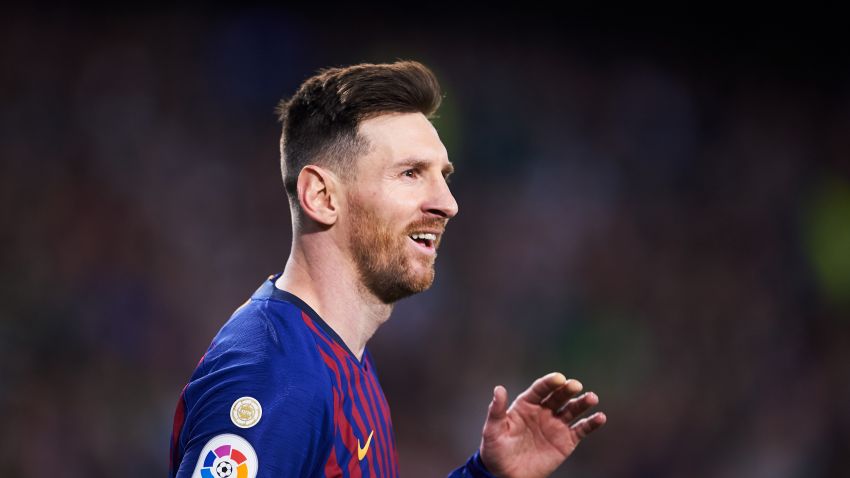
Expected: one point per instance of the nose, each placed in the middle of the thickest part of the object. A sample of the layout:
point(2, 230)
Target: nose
point(442, 202)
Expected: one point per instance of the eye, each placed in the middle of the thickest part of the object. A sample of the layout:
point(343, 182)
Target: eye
point(410, 173)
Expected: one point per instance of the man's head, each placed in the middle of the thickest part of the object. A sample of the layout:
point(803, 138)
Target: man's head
point(320, 121)
point(362, 162)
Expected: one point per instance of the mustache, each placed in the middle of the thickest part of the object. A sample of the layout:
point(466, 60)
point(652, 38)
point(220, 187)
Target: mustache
point(429, 224)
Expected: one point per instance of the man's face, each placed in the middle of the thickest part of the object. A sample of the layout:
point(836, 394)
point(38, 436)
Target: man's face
point(398, 205)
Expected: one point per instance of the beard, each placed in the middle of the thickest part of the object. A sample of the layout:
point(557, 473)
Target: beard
point(382, 256)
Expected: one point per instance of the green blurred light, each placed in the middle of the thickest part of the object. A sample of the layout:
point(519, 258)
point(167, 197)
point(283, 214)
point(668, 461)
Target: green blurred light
point(827, 236)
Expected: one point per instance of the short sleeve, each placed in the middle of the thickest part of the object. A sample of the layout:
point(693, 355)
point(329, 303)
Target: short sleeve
point(255, 408)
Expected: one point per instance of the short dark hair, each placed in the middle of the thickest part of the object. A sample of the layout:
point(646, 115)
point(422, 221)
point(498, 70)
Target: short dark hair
point(320, 120)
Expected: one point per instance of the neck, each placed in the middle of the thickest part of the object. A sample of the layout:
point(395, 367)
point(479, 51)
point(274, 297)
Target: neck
point(323, 276)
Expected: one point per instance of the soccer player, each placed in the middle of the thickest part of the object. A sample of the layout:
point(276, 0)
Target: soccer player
point(287, 387)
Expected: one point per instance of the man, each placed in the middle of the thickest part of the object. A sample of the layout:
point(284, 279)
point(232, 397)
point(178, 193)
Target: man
point(287, 387)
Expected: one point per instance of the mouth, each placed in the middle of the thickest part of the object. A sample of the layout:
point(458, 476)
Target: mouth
point(425, 241)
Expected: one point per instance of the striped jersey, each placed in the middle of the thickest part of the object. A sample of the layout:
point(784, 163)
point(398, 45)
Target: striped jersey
point(279, 394)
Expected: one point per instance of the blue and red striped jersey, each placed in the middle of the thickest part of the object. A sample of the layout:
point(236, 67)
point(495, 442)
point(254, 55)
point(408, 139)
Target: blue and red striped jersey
point(279, 394)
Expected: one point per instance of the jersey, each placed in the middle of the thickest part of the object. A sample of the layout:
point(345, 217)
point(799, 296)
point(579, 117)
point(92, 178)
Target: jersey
point(279, 394)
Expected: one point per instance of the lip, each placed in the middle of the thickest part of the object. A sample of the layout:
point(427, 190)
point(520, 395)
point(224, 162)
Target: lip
point(436, 232)
point(423, 248)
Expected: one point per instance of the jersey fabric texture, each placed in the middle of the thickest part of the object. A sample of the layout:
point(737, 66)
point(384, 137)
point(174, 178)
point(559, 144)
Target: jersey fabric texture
point(279, 394)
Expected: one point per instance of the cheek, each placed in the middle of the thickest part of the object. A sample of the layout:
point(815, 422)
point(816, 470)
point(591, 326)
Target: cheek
point(393, 215)
point(392, 209)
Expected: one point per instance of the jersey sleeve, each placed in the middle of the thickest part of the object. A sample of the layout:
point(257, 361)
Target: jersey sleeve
point(254, 409)
point(473, 468)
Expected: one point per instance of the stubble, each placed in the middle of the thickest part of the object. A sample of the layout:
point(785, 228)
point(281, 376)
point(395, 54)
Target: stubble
point(382, 257)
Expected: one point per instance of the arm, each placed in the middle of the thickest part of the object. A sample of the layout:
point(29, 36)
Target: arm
point(288, 439)
point(256, 395)
point(473, 468)
point(536, 434)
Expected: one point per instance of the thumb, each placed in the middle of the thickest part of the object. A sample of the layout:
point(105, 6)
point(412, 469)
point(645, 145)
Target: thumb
point(499, 405)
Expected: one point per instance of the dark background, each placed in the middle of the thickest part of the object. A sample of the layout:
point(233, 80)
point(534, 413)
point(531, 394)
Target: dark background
point(657, 206)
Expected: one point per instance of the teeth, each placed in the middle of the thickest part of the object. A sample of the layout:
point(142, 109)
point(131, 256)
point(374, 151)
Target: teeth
point(424, 235)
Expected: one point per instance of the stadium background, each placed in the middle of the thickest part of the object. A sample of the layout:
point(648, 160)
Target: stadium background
point(657, 208)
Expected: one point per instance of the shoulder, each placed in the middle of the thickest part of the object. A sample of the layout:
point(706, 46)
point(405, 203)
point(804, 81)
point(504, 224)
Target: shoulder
point(261, 381)
point(264, 347)
point(262, 332)
point(263, 353)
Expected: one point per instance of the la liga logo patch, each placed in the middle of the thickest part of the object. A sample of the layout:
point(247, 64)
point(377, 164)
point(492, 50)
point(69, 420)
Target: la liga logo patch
point(227, 456)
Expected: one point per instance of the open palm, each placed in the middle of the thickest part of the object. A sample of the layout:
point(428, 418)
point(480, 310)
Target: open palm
point(536, 434)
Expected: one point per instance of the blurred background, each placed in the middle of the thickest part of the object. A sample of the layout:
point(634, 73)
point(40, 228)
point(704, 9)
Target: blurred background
point(658, 208)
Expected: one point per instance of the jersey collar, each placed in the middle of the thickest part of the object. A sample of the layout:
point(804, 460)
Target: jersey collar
point(268, 290)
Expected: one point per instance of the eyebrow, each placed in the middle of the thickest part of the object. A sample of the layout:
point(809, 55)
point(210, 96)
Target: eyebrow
point(423, 163)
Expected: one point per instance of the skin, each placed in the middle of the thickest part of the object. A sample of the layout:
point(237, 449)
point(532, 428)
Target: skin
point(352, 258)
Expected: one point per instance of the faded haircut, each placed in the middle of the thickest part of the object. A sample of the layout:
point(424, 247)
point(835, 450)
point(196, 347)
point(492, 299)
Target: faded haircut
point(320, 120)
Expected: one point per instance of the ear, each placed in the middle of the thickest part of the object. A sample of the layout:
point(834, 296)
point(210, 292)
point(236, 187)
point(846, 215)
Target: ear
point(318, 190)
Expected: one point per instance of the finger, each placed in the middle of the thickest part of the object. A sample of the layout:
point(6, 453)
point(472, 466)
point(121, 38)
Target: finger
point(559, 397)
point(586, 426)
point(578, 405)
point(499, 406)
point(542, 387)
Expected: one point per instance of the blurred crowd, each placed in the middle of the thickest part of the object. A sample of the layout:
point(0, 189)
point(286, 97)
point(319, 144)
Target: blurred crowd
point(670, 226)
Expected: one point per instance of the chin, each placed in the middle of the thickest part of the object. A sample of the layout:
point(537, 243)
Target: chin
point(423, 279)
point(390, 292)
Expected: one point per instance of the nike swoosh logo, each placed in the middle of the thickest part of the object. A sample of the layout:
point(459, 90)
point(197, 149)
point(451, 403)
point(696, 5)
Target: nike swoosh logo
point(361, 451)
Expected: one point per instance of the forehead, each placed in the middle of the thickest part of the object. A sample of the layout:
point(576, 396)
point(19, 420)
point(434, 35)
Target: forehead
point(400, 136)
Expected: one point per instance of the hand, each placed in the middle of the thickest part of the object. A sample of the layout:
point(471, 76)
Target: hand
point(534, 436)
